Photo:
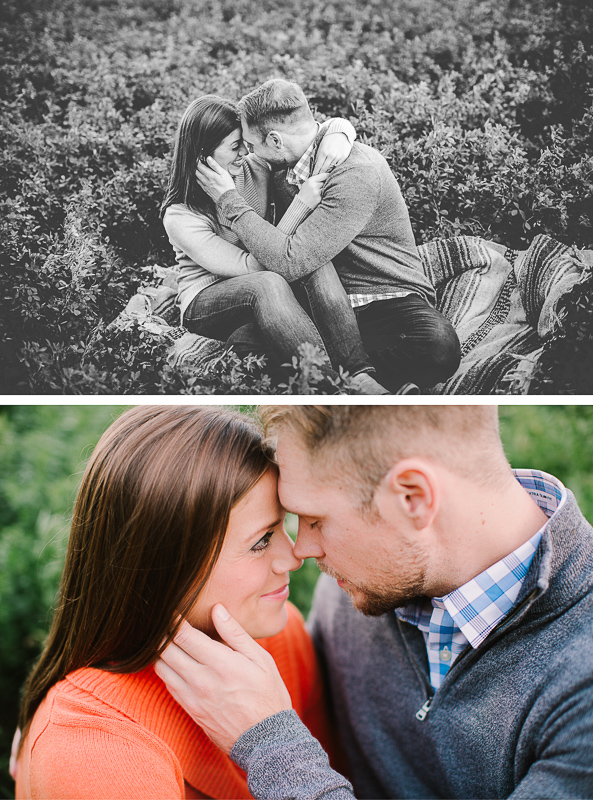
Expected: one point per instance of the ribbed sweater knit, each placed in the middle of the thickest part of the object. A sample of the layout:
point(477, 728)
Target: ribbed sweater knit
point(102, 735)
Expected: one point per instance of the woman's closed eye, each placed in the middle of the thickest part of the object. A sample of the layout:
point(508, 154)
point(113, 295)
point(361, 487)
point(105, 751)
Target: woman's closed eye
point(263, 543)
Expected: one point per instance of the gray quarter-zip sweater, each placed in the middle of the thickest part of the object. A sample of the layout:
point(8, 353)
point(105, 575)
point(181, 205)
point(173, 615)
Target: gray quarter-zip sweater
point(362, 225)
point(513, 718)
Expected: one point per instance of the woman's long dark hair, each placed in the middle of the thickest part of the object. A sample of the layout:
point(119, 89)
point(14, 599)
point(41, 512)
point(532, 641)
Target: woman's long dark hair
point(205, 123)
point(148, 526)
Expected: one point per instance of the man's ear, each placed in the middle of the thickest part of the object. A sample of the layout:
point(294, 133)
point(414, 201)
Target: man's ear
point(274, 139)
point(409, 489)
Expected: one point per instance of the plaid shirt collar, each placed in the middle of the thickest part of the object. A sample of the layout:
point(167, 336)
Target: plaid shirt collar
point(474, 609)
point(298, 174)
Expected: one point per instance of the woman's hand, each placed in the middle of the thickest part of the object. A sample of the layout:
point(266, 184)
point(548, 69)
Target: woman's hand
point(333, 150)
point(226, 690)
point(213, 179)
point(310, 191)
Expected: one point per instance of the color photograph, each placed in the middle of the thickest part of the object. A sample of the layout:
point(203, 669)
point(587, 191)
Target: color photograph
point(148, 636)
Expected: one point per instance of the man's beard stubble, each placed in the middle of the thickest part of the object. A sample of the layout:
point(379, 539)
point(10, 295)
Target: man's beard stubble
point(377, 600)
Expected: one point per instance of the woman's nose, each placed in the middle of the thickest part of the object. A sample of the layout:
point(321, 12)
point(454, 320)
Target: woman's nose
point(285, 559)
point(243, 150)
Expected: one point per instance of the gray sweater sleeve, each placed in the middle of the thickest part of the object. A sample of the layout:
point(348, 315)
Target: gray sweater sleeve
point(349, 200)
point(283, 760)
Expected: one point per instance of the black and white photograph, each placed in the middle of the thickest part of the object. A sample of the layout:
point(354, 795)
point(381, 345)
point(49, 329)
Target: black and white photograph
point(220, 197)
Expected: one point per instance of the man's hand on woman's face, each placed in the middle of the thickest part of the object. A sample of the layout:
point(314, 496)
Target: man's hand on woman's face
point(226, 690)
point(213, 179)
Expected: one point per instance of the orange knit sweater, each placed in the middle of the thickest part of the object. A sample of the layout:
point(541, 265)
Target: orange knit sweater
point(107, 736)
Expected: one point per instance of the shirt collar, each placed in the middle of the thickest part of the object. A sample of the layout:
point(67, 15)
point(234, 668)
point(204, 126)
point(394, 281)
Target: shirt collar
point(480, 604)
point(302, 169)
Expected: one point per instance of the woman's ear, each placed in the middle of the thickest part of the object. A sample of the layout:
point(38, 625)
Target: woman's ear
point(410, 489)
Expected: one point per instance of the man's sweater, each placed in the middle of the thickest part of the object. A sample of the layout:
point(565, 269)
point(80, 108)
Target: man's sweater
point(362, 225)
point(513, 718)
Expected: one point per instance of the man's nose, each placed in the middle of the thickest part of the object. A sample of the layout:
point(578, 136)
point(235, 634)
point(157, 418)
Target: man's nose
point(307, 543)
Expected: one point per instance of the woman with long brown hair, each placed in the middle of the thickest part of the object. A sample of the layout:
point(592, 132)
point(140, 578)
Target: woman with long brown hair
point(224, 293)
point(177, 510)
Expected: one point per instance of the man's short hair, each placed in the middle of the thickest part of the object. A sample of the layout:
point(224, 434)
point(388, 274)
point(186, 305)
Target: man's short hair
point(361, 443)
point(274, 102)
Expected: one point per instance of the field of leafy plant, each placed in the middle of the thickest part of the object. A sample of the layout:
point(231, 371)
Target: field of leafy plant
point(483, 109)
point(42, 454)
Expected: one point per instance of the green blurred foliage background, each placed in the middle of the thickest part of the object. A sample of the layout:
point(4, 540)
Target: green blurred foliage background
point(42, 454)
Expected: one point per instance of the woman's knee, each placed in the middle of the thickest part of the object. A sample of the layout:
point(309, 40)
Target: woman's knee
point(269, 286)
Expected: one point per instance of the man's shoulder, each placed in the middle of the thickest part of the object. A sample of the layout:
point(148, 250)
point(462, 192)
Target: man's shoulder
point(365, 154)
point(365, 167)
point(328, 602)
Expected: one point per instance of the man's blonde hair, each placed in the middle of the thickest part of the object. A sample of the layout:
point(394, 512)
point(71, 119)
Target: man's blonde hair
point(274, 102)
point(361, 443)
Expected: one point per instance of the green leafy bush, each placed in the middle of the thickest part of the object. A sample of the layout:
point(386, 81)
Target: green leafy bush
point(482, 109)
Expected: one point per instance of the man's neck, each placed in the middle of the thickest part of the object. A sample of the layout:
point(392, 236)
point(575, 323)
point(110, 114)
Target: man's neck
point(300, 144)
point(488, 526)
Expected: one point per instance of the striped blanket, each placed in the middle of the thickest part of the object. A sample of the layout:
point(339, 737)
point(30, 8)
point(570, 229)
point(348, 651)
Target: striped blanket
point(501, 302)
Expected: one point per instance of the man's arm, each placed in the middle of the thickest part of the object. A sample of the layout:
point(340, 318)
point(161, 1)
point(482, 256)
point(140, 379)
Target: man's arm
point(564, 765)
point(237, 696)
point(350, 197)
point(283, 760)
point(349, 200)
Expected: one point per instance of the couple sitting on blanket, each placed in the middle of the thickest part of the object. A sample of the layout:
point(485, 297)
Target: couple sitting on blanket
point(270, 213)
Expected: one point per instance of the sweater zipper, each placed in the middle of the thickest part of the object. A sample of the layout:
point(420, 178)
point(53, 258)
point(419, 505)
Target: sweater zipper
point(422, 712)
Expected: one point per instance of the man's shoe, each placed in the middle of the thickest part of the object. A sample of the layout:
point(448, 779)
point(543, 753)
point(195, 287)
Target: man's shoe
point(363, 383)
point(408, 388)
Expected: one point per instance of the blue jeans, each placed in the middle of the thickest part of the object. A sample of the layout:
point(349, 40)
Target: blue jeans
point(408, 340)
point(260, 312)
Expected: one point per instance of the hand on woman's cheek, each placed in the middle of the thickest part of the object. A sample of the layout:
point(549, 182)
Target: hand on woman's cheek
point(251, 575)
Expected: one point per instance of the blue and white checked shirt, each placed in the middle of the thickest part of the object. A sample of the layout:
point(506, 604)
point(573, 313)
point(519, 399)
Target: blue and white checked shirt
point(468, 614)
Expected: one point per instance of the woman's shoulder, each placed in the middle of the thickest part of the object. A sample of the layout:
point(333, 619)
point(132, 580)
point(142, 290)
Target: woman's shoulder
point(93, 697)
point(89, 712)
point(292, 650)
point(180, 214)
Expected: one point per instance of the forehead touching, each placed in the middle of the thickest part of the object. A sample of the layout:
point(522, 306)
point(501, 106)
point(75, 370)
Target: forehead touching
point(305, 486)
point(250, 135)
point(234, 137)
point(259, 510)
